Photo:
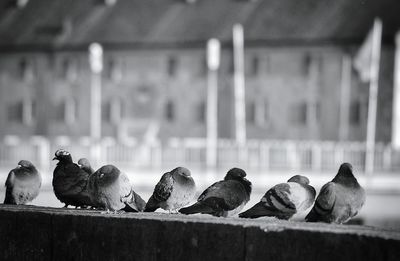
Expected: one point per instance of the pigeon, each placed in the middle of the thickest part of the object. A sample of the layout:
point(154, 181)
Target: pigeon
point(175, 190)
point(284, 199)
point(224, 198)
point(70, 181)
point(22, 184)
point(84, 164)
point(339, 200)
point(110, 189)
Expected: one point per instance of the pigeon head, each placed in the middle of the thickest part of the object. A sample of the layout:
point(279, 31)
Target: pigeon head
point(107, 174)
point(239, 175)
point(182, 171)
point(84, 162)
point(25, 164)
point(299, 179)
point(235, 173)
point(63, 155)
point(345, 174)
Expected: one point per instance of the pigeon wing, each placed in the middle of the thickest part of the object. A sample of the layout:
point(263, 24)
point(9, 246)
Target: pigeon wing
point(125, 188)
point(164, 187)
point(326, 199)
point(225, 195)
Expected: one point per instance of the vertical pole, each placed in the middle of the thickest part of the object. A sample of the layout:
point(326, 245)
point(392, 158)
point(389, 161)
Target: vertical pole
point(239, 85)
point(373, 95)
point(312, 121)
point(345, 87)
point(396, 97)
point(96, 66)
point(213, 61)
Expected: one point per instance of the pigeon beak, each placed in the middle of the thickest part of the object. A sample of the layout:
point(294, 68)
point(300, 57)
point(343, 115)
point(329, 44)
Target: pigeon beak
point(79, 165)
point(19, 166)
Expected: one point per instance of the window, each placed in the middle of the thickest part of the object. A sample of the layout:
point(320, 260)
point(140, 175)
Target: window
point(169, 111)
point(66, 111)
point(250, 112)
point(113, 70)
point(15, 112)
point(306, 63)
point(172, 66)
point(201, 112)
point(254, 66)
point(25, 70)
point(106, 111)
point(355, 112)
point(299, 113)
point(69, 70)
point(262, 112)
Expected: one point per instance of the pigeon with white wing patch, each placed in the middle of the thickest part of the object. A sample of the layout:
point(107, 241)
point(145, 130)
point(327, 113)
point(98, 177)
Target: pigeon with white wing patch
point(284, 200)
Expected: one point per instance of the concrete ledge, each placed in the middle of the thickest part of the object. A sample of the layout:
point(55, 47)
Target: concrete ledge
point(37, 233)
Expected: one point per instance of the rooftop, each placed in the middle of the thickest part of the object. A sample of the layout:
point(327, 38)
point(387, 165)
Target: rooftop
point(138, 23)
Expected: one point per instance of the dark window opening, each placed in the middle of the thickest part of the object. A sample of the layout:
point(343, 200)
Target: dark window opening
point(201, 112)
point(15, 112)
point(169, 111)
point(355, 113)
point(172, 66)
point(251, 112)
point(299, 113)
point(254, 66)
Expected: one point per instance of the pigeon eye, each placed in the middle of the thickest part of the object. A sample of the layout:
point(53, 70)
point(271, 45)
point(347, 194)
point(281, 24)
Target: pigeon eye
point(101, 175)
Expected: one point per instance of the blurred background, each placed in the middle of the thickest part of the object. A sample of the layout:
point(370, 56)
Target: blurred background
point(275, 87)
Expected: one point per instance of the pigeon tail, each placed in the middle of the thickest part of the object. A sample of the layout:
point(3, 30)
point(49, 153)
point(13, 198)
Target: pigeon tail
point(261, 210)
point(136, 204)
point(151, 205)
point(312, 216)
point(9, 199)
point(197, 208)
point(258, 210)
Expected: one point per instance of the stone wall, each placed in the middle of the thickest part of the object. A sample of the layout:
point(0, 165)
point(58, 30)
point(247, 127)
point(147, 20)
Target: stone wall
point(37, 233)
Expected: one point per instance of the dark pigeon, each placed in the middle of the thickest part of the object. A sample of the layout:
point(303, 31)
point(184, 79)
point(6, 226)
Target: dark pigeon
point(223, 198)
point(284, 200)
point(22, 184)
point(111, 189)
point(70, 181)
point(339, 200)
point(175, 190)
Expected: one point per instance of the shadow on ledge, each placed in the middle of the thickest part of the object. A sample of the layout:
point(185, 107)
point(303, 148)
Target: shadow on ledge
point(38, 233)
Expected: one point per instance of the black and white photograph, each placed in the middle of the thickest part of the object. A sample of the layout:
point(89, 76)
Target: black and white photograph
point(200, 130)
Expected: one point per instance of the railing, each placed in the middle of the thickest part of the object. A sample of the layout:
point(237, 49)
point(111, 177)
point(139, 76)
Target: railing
point(262, 155)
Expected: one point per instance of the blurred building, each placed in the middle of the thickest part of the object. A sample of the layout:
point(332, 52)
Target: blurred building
point(155, 74)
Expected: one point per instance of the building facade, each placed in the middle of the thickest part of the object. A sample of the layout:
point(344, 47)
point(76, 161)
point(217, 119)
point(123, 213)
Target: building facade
point(154, 80)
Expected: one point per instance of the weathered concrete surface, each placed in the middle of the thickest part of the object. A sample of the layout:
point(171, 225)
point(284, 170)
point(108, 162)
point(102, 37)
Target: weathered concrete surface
point(37, 233)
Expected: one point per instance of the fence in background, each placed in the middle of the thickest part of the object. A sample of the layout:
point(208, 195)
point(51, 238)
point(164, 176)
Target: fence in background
point(256, 155)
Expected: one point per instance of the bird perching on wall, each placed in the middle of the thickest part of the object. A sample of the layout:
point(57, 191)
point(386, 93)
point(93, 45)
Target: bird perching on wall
point(223, 198)
point(176, 189)
point(70, 181)
point(84, 164)
point(284, 200)
point(111, 189)
point(22, 184)
point(339, 200)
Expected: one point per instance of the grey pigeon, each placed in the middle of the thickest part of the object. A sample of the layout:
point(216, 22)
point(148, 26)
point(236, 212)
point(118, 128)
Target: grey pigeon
point(111, 189)
point(70, 181)
point(84, 164)
point(22, 184)
point(284, 199)
point(339, 200)
point(175, 190)
point(224, 198)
